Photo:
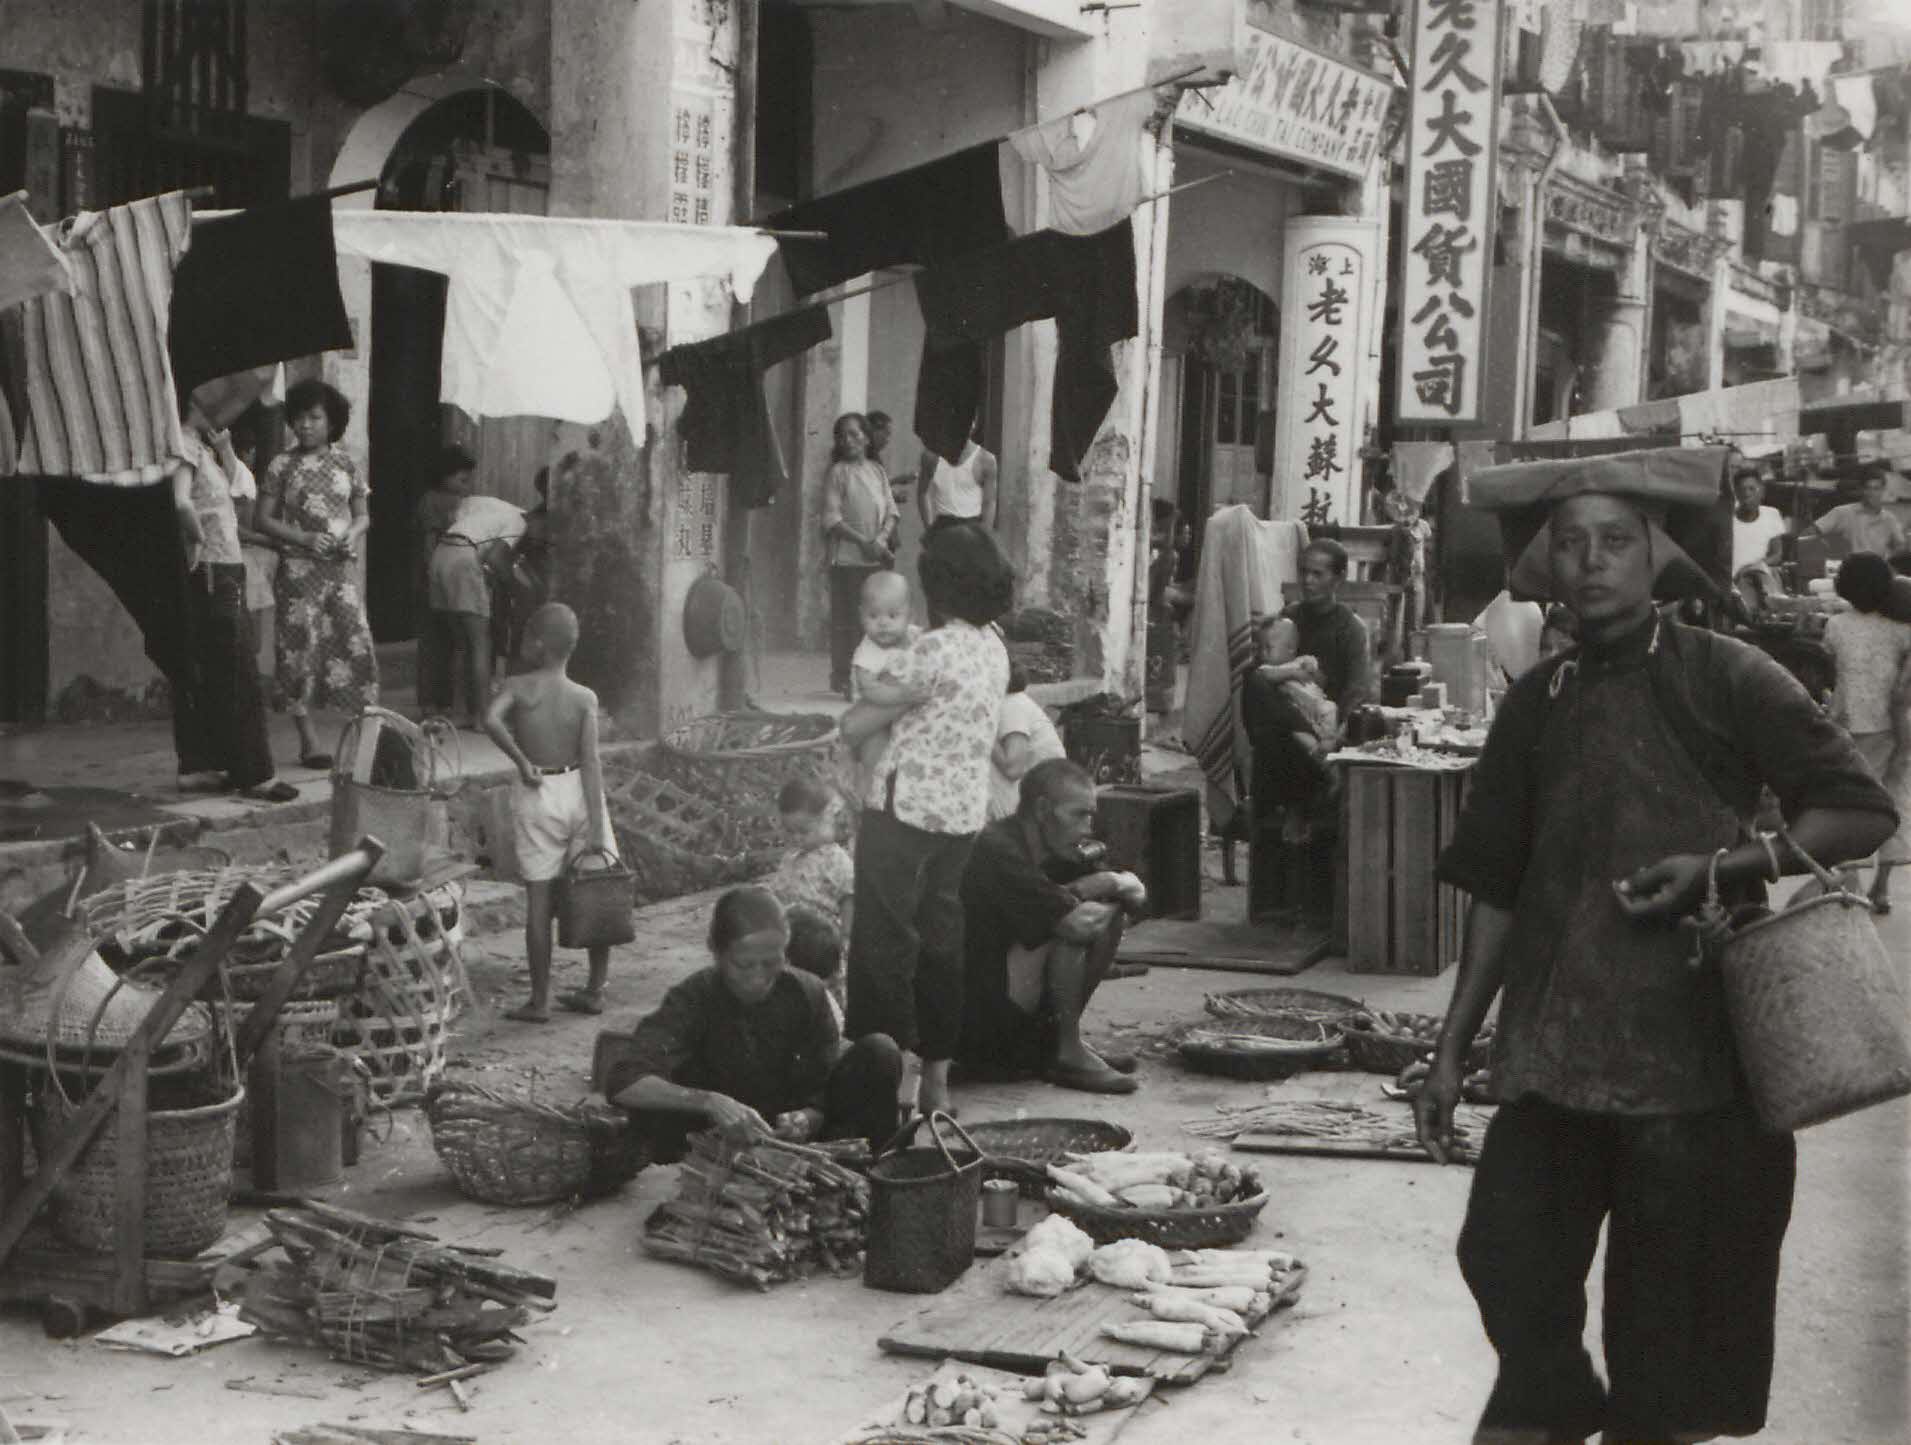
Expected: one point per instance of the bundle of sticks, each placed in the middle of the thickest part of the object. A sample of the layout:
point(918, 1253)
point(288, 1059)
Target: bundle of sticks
point(761, 1211)
point(1331, 1119)
point(381, 1293)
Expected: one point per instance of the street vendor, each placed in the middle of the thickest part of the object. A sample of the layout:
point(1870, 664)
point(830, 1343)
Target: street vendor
point(752, 1041)
point(1758, 535)
point(1330, 630)
point(1615, 774)
point(1040, 929)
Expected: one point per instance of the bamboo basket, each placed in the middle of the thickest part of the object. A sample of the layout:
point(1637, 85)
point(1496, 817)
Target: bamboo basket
point(1214, 1227)
point(516, 1151)
point(1256, 1049)
point(739, 762)
point(1376, 1044)
point(1304, 1004)
point(1022, 1149)
point(411, 990)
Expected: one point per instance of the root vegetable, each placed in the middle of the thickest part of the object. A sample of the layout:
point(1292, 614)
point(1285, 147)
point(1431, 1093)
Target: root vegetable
point(1085, 1388)
point(1081, 1184)
point(944, 1393)
point(1071, 1364)
point(1129, 1264)
point(1150, 1196)
point(915, 1410)
point(1177, 1309)
point(1031, 1390)
point(1237, 1297)
point(1185, 1339)
point(1125, 1390)
point(1202, 1276)
point(972, 1418)
point(939, 1417)
point(1062, 1235)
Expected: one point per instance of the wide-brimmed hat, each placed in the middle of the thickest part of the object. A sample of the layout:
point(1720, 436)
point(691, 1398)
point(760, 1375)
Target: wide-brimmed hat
point(70, 996)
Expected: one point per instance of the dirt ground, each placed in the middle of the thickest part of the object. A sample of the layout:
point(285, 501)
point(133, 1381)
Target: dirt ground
point(1384, 1346)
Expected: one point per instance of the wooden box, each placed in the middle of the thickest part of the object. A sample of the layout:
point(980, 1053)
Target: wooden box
point(1155, 833)
point(1396, 820)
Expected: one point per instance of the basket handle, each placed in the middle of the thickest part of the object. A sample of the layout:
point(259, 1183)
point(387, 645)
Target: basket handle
point(935, 1120)
point(1831, 882)
point(593, 852)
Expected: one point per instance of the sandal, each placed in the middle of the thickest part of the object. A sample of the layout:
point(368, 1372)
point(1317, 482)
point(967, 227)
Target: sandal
point(317, 762)
point(275, 791)
point(582, 1001)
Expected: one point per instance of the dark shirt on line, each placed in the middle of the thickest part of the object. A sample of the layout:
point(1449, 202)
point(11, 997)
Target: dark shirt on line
point(774, 1056)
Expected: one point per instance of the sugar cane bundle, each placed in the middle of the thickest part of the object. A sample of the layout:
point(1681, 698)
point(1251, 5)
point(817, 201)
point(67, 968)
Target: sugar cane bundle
point(761, 1211)
point(384, 1294)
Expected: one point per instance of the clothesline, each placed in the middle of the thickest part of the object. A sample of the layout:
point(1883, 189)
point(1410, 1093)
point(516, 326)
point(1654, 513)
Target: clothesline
point(871, 287)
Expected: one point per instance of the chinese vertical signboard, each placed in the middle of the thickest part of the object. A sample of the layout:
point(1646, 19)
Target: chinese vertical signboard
point(1327, 296)
point(1447, 244)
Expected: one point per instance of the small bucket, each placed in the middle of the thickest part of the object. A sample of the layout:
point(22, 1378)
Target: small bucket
point(596, 909)
point(922, 1212)
point(1818, 1011)
point(315, 1086)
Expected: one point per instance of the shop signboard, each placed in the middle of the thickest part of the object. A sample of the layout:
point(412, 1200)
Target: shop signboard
point(1447, 245)
point(1332, 267)
point(1295, 101)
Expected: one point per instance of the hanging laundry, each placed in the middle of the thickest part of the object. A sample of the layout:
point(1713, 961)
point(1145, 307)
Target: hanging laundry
point(30, 265)
point(1086, 283)
point(1800, 63)
point(98, 382)
point(225, 399)
point(1096, 162)
point(1650, 418)
point(726, 424)
point(927, 215)
point(256, 288)
point(1417, 464)
point(1784, 219)
point(539, 313)
point(1858, 98)
point(1768, 118)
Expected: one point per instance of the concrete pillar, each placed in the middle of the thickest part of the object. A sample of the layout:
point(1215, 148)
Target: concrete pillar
point(1619, 341)
point(1715, 324)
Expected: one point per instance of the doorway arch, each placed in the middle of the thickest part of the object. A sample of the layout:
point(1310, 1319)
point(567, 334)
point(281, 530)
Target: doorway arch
point(1219, 337)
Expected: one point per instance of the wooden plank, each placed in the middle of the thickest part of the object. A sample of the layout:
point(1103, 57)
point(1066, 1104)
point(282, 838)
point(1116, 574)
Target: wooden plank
point(1369, 869)
point(129, 1195)
point(1415, 836)
point(1236, 947)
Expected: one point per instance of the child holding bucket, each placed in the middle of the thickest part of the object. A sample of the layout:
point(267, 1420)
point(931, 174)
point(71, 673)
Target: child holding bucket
point(547, 725)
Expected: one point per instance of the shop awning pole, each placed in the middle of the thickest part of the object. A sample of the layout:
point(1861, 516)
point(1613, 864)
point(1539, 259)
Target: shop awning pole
point(207, 193)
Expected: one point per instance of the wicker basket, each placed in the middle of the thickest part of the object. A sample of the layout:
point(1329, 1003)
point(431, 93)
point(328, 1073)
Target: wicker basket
point(1374, 1046)
point(1021, 1149)
point(327, 978)
point(1256, 1049)
point(410, 992)
point(505, 1150)
point(1212, 1228)
point(188, 1179)
point(738, 762)
point(1302, 1004)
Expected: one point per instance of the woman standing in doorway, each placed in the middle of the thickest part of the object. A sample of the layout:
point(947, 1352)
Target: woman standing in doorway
point(858, 514)
point(314, 503)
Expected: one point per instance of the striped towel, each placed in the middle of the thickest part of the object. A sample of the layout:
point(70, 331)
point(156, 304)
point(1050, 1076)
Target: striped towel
point(1244, 563)
point(99, 384)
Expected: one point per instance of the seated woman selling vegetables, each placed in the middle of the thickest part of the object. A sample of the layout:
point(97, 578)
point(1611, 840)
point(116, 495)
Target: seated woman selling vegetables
point(750, 1040)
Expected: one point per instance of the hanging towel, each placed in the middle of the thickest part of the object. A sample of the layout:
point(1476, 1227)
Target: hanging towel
point(30, 264)
point(1650, 417)
point(1244, 564)
point(1086, 283)
point(1096, 162)
point(1784, 214)
point(538, 318)
point(1800, 63)
point(99, 385)
point(256, 288)
point(927, 215)
point(726, 423)
point(1416, 464)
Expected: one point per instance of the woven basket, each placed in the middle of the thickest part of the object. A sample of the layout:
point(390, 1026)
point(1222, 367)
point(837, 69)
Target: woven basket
point(1373, 1047)
point(329, 976)
point(738, 762)
point(1211, 1228)
point(1021, 1149)
point(188, 1179)
point(1303, 1004)
point(923, 1207)
point(407, 997)
point(1256, 1049)
point(504, 1150)
point(73, 1011)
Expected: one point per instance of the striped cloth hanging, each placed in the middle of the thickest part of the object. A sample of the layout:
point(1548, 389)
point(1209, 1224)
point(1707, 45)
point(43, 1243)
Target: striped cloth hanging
point(99, 385)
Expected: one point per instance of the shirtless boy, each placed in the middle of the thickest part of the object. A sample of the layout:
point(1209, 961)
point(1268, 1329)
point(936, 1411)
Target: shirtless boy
point(547, 725)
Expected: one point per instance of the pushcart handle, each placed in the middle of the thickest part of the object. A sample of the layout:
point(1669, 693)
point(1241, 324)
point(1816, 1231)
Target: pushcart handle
point(353, 867)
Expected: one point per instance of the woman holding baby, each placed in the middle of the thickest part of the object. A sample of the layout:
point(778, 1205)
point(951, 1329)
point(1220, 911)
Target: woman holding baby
point(1292, 727)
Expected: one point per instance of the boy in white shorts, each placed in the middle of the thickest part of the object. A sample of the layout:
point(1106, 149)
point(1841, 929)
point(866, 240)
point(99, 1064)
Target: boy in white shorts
point(547, 725)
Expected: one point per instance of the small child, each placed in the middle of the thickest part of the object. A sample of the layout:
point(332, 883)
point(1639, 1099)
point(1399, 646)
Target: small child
point(1281, 641)
point(817, 873)
point(887, 637)
point(1024, 736)
point(547, 725)
point(439, 631)
point(816, 948)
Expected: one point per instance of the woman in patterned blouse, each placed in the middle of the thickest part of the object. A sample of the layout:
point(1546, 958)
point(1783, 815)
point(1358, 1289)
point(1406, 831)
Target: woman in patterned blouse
point(927, 801)
point(313, 503)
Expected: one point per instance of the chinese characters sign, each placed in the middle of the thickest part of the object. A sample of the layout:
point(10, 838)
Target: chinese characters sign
point(1327, 296)
point(1293, 101)
point(1452, 182)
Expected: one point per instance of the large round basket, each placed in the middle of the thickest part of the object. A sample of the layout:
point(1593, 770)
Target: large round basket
point(744, 754)
point(1382, 1043)
point(1256, 1049)
point(188, 1179)
point(505, 1150)
point(1212, 1228)
point(1303, 1004)
point(1022, 1149)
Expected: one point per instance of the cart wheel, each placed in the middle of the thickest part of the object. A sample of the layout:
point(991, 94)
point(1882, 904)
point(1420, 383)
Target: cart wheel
point(62, 1318)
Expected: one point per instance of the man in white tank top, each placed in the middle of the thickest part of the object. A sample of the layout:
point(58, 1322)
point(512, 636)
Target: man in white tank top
point(961, 493)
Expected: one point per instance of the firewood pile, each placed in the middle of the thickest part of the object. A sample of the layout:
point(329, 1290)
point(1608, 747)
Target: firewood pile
point(380, 1293)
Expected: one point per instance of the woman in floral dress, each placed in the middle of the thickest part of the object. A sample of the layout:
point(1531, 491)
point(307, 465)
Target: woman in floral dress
point(313, 503)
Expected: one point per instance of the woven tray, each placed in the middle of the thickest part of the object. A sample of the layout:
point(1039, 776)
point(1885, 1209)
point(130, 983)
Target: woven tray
point(516, 1151)
point(1256, 1049)
point(1303, 1004)
point(1021, 1149)
point(1377, 1044)
point(1211, 1228)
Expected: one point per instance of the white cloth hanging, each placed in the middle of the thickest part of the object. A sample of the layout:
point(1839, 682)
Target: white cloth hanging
point(1095, 160)
point(1855, 95)
point(539, 319)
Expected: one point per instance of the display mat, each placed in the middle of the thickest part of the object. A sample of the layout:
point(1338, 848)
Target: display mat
point(977, 1320)
point(1234, 947)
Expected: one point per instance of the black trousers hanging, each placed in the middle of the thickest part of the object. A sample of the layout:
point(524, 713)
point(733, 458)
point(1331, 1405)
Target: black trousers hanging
point(219, 720)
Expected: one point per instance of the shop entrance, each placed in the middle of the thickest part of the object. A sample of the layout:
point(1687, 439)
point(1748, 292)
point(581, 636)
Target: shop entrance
point(479, 150)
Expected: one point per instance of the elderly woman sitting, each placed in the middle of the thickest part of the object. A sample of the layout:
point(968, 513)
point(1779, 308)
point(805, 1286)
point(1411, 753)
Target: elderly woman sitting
point(750, 1040)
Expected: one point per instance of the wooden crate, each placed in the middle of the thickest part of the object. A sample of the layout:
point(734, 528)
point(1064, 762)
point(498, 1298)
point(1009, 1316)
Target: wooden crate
point(1155, 833)
point(1400, 919)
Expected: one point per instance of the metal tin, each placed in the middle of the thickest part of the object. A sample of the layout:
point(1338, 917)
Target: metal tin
point(998, 1203)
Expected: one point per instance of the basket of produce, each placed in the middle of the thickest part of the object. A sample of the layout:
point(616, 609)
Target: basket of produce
point(1305, 1004)
point(1022, 1149)
point(1165, 1199)
point(506, 1150)
point(1385, 1043)
point(1258, 1049)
